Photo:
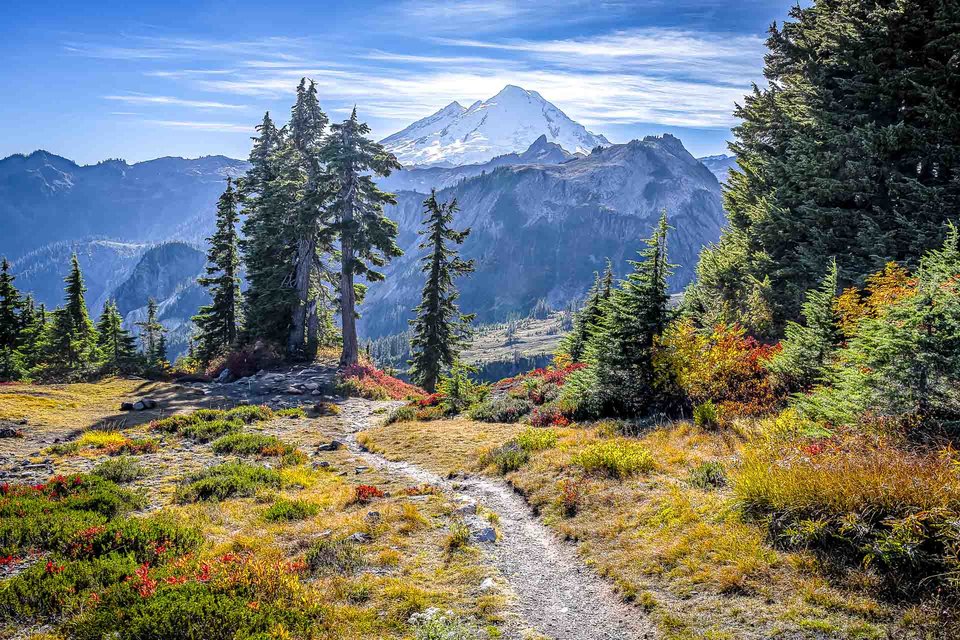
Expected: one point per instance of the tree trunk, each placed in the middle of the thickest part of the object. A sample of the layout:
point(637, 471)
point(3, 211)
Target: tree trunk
point(312, 326)
point(306, 248)
point(348, 320)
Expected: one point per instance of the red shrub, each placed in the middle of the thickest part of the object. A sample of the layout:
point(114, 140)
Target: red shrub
point(366, 493)
point(369, 382)
point(548, 417)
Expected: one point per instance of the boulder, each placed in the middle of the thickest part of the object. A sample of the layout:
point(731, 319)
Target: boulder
point(360, 537)
point(485, 534)
point(333, 445)
point(226, 376)
point(126, 406)
point(139, 405)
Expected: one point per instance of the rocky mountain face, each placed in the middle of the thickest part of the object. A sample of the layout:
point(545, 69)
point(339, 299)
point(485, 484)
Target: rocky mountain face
point(423, 179)
point(167, 273)
point(540, 231)
point(720, 165)
point(509, 122)
point(105, 265)
point(46, 199)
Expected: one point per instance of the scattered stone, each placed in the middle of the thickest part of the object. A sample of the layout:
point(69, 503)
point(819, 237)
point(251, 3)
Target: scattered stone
point(359, 470)
point(323, 464)
point(311, 386)
point(10, 432)
point(139, 405)
point(488, 585)
point(332, 446)
point(149, 403)
point(373, 516)
point(469, 509)
point(226, 376)
point(294, 391)
point(126, 406)
point(422, 498)
point(360, 537)
point(485, 534)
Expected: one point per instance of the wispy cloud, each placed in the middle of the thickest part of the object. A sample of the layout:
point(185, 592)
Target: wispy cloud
point(202, 126)
point(142, 99)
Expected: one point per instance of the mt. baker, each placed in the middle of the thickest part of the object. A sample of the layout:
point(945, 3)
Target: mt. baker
point(509, 122)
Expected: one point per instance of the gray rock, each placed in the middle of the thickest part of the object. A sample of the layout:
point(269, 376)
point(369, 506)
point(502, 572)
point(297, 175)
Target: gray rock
point(139, 405)
point(469, 509)
point(359, 470)
point(373, 516)
point(333, 445)
point(226, 376)
point(360, 537)
point(485, 534)
point(323, 464)
point(488, 585)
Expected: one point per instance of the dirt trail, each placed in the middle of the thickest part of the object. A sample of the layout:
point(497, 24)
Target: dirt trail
point(556, 594)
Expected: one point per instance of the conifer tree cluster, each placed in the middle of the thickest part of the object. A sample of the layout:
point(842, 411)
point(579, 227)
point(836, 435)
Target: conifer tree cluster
point(852, 151)
point(587, 320)
point(439, 331)
point(65, 344)
point(310, 201)
point(620, 335)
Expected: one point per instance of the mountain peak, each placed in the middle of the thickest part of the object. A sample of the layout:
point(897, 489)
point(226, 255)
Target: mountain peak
point(506, 123)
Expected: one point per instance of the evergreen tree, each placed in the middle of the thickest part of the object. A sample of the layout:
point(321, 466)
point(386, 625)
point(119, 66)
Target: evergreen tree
point(271, 193)
point(11, 367)
point(585, 324)
point(33, 322)
point(71, 340)
point(852, 150)
point(153, 339)
point(367, 237)
point(439, 329)
point(217, 322)
point(307, 124)
point(620, 353)
point(807, 347)
point(118, 350)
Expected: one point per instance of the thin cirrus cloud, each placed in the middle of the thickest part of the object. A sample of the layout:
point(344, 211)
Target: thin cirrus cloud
point(662, 76)
point(142, 99)
point(221, 127)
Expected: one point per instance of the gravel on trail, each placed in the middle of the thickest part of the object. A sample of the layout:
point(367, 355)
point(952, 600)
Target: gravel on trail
point(556, 594)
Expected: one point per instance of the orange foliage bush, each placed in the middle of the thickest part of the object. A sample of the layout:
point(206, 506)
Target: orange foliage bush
point(882, 290)
point(724, 366)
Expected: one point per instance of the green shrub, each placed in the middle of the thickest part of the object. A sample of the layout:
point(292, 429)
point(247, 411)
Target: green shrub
point(536, 439)
point(506, 458)
point(290, 510)
point(205, 431)
point(706, 415)
point(618, 457)
point(120, 470)
point(293, 412)
point(458, 537)
point(254, 413)
point(436, 625)
point(402, 414)
point(334, 557)
point(228, 480)
point(247, 444)
point(190, 610)
point(501, 408)
point(708, 474)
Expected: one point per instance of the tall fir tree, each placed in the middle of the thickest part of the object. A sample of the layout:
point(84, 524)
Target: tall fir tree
point(33, 323)
point(808, 347)
point(307, 125)
point(439, 330)
point(118, 349)
point(621, 350)
point(851, 150)
point(218, 322)
point(271, 192)
point(71, 340)
point(11, 304)
point(153, 339)
point(367, 237)
point(585, 324)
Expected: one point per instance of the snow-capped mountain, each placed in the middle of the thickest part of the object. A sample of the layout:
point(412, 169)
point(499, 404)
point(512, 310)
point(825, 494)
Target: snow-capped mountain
point(509, 122)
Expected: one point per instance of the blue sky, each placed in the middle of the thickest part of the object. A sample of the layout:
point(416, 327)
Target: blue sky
point(138, 80)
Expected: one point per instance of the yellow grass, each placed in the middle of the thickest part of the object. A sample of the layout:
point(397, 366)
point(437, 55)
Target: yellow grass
point(683, 553)
point(443, 446)
point(84, 404)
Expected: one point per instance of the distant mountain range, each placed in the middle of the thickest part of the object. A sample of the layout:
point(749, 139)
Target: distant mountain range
point(541, 230)
point(45, 198)
point(720, 165)
point(547, 200)
point(509, 122)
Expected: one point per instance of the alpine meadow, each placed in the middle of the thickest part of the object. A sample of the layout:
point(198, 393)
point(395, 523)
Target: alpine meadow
point(302, 347)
